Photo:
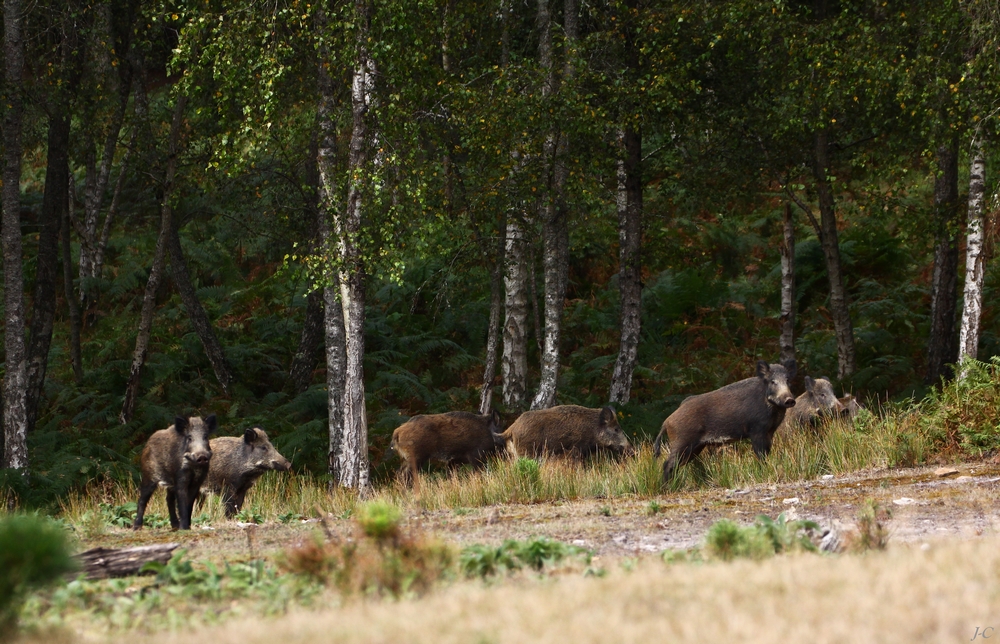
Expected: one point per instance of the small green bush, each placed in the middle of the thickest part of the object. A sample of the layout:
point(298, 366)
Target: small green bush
point(728, 540)
point(33, 552)
point(484, 561)
point(379, 520)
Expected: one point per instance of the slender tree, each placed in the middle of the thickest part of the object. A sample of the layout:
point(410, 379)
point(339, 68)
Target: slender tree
point(787, 340)
point(941, 349)
point(15, 454)
point(972, 307)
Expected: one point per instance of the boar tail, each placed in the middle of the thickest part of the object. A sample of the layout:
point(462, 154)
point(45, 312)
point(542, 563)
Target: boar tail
point(656, 444)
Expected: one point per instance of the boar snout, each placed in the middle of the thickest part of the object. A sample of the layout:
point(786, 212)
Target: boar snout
point(281, 465)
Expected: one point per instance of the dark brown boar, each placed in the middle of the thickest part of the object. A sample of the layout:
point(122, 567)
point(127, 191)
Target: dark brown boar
point(568, 430)
point(818, 402)
point(237, 463)
point(454, 438)
point(751, 408)
point(176, 458)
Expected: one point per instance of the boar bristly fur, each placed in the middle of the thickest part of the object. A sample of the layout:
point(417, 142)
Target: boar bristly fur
point(237, 463)
point(176, 458)
point(455, 438)
point(752, 408)
point(568, 430)
point(819, 401)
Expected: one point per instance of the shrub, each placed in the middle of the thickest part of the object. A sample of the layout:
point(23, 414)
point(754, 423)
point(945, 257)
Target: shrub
point(33, 552)
point(728, 540)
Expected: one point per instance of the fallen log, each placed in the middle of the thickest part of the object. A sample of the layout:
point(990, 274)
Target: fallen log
point(102, 563)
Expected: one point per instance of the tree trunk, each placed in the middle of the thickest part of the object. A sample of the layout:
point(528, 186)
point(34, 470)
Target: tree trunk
point(352, 460)
point(972, 306)
point(47, 260)
point(304, 360)
point(99, 170)
point(156, 272)
point(15, 453)
point(196, 312)
point(839, 301)
point(106, 563)
point(493, 333)
point(328, 207)
point(941, 349)
point(629, 261)
point(514, 365)
point(555, 229)
point(787, 341)
point(74, 307)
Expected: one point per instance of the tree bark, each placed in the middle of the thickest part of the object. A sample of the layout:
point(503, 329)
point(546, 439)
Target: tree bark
point(555, 229)
point(105, 563)
point(352, 459)
point(15, 453)
point(156, 272)
point(972, 306)
point(99, 170)
point(941, 348)
point(328, 207)
point(304, 360)
point(514, 365)
point(196, 312)
point(839, 300)
point(54, 202)
point(493, 333)
point(787, 340)
point(75, 352)
point(629, 261)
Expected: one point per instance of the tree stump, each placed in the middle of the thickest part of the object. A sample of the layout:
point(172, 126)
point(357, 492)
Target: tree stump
point(103, 563)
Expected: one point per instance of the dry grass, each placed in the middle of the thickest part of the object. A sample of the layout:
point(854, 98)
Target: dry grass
point(839, 448)
point(903, 595)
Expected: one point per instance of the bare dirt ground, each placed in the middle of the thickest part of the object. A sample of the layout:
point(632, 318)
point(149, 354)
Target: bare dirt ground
point(926, 505)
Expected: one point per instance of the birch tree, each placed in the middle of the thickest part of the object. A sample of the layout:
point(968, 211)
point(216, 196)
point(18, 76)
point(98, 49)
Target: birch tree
point(972, 294)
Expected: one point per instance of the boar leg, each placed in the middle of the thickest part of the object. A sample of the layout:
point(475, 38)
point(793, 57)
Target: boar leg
point(145, 491)
point(185, 506)
point(234, 500)
point(761, 444)
point(172, 507)
point(680, 455)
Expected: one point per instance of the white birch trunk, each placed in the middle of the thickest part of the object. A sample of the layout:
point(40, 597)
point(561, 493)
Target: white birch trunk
point(972, 307)
point(514, 365)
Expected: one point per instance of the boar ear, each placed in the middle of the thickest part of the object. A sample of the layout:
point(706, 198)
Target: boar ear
point(250, 436)
point(180, 424)
point(495, 417)
point(763, 369)
point(211, 423)
point(607, 416)
point(810, 383)
point(790, 367)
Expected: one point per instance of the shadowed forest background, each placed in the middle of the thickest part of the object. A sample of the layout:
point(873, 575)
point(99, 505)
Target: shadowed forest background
point(704, 124)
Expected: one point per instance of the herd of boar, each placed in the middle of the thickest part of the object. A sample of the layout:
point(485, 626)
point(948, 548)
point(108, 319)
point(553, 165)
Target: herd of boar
point(186, 463)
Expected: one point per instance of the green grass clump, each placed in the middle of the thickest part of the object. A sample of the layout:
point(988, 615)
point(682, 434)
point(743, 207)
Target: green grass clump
point(33, 552)
point(537, 554)
point(727, 540)
point(379, 520)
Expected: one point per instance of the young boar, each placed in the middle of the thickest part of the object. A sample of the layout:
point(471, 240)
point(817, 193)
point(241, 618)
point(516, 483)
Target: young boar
point(751, 408)
point(455, 438)
point(237, 463)
point(176, 458)
point(849, 407)
point(818, 402)
point(568, 430)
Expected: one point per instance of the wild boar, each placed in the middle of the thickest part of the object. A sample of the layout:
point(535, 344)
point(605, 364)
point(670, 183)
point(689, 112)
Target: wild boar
point(850, 407)
point(454, 438)
point(751, 408)
point(818, 402)
point(237, 463)
point(176, 458)
point(568, 430)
